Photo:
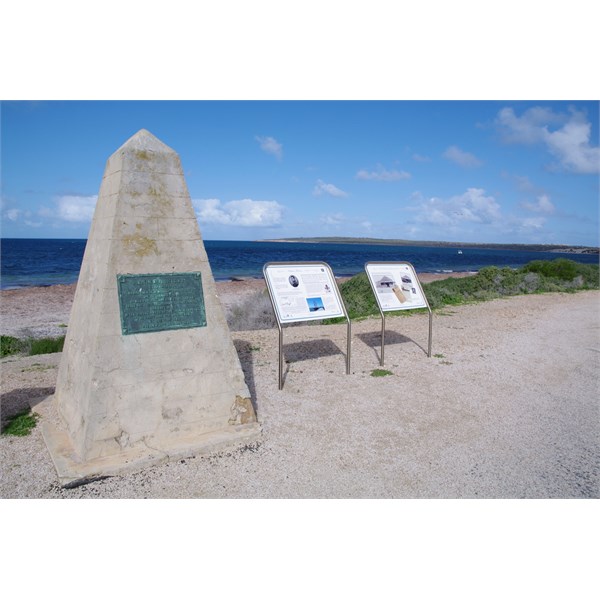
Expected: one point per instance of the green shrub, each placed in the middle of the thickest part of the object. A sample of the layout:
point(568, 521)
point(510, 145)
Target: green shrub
point(46, 345)
point(358, 297)
point(561, 268)
point(565, 270)
point(559, 275)
point(10, 345)
point(31, 346)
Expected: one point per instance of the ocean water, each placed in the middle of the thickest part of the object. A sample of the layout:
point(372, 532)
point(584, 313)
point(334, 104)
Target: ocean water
point(37, 262)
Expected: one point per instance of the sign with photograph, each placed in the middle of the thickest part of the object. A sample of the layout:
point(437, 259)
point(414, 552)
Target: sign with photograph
point(396, 286)
point(303, 291)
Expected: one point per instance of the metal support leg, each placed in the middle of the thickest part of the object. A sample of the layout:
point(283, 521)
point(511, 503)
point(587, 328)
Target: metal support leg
point(348, 347)
point(381, 361)
point(280, 356)
point(430, 330)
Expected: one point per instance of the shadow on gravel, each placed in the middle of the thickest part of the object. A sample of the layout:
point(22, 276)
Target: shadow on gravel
point(245, 353)
point(17, 401)
point(372, 339)
point(309, 350)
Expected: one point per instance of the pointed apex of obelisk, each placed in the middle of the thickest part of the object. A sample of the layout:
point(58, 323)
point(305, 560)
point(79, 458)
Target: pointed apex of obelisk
point(144, 140)
point(149, 370)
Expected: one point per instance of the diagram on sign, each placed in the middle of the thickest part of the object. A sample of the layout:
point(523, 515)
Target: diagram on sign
point(396, 286)
point(302, 292)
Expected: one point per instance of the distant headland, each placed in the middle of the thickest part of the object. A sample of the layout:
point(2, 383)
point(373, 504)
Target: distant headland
point(391, 242)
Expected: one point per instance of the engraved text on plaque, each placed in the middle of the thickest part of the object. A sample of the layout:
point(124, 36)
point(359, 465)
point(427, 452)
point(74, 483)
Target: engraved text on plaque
point(160, 301)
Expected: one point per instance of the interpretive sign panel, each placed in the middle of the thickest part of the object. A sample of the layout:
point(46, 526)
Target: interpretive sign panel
point(160, 302)
point(303, 291)
point(396, 286)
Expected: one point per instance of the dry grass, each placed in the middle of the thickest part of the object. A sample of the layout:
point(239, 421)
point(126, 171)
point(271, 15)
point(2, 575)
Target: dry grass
point(254, 312)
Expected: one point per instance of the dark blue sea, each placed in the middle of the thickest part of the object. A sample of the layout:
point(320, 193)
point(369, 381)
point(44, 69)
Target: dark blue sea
point(37, 262)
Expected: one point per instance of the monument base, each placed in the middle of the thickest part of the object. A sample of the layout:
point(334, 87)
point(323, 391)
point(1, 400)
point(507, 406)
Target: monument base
point(72, 473)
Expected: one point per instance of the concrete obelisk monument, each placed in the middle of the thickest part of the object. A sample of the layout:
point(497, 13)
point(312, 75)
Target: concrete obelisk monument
point(149, 371)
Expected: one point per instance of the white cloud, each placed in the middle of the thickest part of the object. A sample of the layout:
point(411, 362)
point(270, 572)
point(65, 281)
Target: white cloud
point(382, 174)
point(474, 212)
point(473, 206)
point(328, 188)
point(571, 145)
point(270, 145)
point(210, 211)
point(243, 213)
point(543, 204)
point(462, 158)
point(531, 223)
point(528, 129)
point(13, 214)
point(566, 136)
point(76, 209)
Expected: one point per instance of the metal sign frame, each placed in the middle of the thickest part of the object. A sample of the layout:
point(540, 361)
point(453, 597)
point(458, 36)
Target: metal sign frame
point(383, 310)
point(282, 318)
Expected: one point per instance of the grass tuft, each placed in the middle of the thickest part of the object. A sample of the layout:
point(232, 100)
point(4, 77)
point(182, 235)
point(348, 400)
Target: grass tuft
point(46, 345)
point(21, 424)
point(380, 373)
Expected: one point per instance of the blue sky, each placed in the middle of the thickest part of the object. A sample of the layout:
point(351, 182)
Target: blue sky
point(472, 171)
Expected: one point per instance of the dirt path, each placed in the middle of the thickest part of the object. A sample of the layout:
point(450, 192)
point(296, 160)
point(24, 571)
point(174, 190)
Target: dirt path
point(505, 408)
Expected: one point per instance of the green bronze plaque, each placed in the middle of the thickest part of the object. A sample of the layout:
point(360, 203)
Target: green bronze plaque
point(160, 301)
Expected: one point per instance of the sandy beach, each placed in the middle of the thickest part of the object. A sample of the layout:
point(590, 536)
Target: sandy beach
point(506, 407)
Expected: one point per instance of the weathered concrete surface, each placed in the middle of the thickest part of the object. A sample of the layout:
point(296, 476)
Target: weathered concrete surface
point(142, 397)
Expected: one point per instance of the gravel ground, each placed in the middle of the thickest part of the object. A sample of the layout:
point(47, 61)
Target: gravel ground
point(506, 407)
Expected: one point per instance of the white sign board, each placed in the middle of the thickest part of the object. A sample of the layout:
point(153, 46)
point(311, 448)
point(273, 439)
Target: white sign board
point(396, 286)
point(303, 291)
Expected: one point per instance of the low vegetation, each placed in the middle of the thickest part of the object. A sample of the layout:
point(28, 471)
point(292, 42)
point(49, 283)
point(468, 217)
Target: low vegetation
point(21, 424)
point(539, 276)
point(30, 346)
point(560, 275)
point(380, 373)
point(46, 345)
point(254, 313)
point(10, 345)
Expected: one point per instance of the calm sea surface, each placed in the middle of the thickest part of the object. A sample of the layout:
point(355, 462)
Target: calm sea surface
point(34, 262)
